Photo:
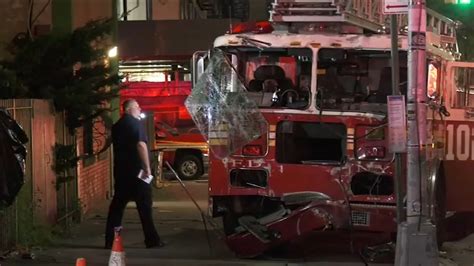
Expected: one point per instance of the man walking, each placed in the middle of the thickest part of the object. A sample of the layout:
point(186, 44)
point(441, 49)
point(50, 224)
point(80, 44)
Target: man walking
point(130, 158)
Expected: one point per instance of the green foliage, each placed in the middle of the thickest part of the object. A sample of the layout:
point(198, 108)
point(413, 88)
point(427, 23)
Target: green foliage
point(27, 232)
point(69, 68)
point(35, 235)
point(465, 33)
point(65, 160)
point(10, 86)
point(65, 157)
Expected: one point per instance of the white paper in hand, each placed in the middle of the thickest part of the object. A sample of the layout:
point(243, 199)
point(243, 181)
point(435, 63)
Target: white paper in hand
point(144, 178)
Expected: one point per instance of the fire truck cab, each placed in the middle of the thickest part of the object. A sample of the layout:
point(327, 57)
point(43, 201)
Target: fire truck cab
point(317, 82)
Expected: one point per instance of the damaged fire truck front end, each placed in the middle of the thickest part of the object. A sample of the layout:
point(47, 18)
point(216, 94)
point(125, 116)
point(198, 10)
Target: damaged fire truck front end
point(296, 121)
point(294, 152)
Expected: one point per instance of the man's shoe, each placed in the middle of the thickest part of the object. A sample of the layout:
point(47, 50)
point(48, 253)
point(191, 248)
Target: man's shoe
point(160, 244)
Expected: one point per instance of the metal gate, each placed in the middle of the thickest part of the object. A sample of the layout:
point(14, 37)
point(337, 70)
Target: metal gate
point(15, 220)
point(42, 202)
point(67, 194)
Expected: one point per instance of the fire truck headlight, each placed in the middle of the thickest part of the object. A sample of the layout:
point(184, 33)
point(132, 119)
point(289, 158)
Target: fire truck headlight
point(371, 152)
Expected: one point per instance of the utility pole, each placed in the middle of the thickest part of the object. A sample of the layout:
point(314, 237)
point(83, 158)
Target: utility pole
point(396, 91)
point(416, 239)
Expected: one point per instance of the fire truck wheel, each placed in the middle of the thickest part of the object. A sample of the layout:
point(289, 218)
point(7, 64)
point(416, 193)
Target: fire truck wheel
point(189, 167)
point(229, 222)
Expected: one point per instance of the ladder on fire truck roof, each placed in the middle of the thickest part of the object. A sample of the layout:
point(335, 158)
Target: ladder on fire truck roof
point(363, 14)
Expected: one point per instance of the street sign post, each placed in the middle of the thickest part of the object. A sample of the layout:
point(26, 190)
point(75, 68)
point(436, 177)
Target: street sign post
point(399, 192)
point(397, 123)
point(416, 238)
point(395, 7)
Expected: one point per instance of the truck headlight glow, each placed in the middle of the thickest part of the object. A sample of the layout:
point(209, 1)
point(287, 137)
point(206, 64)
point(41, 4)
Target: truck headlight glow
point(371, 152)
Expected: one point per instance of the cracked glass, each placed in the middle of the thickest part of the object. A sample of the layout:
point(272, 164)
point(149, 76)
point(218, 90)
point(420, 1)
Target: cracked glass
point(221, 108)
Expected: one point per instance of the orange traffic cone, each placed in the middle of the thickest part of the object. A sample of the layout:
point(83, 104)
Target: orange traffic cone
point(117, 256)
point(81, 262)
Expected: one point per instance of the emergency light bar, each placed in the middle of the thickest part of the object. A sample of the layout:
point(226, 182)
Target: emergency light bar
point(252, 27)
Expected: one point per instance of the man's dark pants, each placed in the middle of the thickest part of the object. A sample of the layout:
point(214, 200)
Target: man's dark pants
point(140, 192)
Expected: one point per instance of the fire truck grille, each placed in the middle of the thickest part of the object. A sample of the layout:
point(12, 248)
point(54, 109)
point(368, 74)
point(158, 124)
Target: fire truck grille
point(360, 218)
point(251, 178)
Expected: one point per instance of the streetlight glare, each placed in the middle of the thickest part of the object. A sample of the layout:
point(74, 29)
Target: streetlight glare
point(113, 52)
point(458, 2)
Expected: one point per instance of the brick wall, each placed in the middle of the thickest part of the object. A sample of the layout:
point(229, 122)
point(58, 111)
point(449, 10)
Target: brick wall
point(93, 171)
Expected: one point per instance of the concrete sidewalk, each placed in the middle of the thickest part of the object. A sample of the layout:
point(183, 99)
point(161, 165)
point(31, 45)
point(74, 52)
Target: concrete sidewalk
point(179, 223)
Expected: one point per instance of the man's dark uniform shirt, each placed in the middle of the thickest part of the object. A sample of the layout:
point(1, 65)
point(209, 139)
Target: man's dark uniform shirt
point(126, 134)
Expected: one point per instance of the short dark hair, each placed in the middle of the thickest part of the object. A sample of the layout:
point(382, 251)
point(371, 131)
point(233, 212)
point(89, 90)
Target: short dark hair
point(127, 103)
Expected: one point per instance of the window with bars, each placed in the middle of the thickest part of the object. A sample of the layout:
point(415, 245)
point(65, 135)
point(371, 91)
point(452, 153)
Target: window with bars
point(464, 88)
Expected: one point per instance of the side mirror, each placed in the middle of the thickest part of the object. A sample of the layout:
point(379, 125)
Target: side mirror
point(198, 64)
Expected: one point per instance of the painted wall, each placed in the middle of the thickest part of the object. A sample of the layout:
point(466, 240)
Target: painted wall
point(14, 14)
point(258, 10)
point(87, 10)
point(166, 9)
point(162, 9)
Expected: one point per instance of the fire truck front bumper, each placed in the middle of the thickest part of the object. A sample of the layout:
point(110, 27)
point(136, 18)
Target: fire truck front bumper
point(258, 238)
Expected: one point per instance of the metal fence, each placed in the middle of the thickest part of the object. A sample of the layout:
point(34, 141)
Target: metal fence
point(41, 203)
point(67, 193)
point(11, 229)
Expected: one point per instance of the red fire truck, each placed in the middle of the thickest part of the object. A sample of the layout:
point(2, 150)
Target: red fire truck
point(161, 89)
point(320, 76)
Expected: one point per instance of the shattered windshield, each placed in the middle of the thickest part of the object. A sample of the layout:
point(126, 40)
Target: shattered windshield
point(219, 106)
point(356, 80)
point(274, 77)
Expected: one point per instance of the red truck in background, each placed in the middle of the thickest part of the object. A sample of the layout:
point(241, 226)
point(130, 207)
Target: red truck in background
point(161, 90)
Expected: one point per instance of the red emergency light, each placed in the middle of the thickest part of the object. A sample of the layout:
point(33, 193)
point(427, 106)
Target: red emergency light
point(252, 27)
point(252, 150)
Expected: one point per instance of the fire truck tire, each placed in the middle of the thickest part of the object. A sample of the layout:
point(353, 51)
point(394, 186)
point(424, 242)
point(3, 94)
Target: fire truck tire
point(189, 167)
point(229, 222)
